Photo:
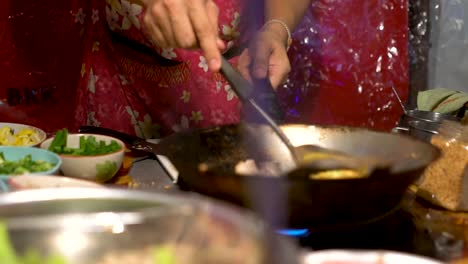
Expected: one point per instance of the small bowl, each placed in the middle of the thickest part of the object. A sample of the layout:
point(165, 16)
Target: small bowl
point(100, 168)
point(41, 135)
point(25, 182)
point(16, 153)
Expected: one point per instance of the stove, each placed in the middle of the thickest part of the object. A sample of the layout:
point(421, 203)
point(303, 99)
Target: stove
point(396, 231)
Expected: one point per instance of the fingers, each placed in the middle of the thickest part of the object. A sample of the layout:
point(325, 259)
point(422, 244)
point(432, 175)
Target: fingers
point(243, 64)
point(213, 15)
point(278, 69)
point(184, 36)
point(206, 33)
point(262, 50)
point(165, 26)
point(278, 66)
point(152, 28)
point(186, 24)
point(266, 58)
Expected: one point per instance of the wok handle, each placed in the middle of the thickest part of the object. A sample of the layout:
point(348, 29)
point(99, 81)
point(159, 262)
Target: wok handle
point(132, 142)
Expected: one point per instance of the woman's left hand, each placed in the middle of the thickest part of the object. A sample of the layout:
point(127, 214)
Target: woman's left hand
point(267, 56)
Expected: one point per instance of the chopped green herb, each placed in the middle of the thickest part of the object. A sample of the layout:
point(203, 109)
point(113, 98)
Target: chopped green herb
point(24, 165)
point(89, 146)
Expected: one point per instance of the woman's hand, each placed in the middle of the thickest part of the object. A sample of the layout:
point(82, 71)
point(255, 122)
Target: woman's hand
point(185, 24)
point(267, 56)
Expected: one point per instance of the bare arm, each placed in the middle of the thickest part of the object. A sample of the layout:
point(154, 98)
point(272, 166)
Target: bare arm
point(267, 54)
point(288, 11)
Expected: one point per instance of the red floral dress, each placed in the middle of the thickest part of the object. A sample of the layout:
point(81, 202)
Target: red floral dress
point(60, 66)
point(125, 88)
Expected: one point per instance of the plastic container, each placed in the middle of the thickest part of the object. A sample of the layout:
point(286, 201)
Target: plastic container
point(447, 178)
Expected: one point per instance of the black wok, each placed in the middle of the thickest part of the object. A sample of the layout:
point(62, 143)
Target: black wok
point(304, 203)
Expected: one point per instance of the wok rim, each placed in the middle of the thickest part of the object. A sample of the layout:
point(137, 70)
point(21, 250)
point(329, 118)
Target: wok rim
point(436, 153)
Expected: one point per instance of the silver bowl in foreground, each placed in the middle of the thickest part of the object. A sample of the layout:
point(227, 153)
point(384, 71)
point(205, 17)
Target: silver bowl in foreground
point(88, 225)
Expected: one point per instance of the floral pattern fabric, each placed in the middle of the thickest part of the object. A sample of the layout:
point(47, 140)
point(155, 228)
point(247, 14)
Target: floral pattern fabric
point(61, 67)
point(125, 89)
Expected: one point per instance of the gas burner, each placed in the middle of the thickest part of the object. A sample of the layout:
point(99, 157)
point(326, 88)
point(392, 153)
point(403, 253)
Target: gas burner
point(295, 233)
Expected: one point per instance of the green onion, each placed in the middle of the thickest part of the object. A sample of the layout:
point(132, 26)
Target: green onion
point(89, 146)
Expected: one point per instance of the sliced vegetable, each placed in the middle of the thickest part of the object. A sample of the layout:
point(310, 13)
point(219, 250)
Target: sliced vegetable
point(60, 141)
point(89, 146)
point(23, 137)
point(24, 165)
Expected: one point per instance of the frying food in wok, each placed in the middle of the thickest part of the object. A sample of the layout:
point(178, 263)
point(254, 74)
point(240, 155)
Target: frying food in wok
point(206, 161)
point(250, 167)
point(338, 175)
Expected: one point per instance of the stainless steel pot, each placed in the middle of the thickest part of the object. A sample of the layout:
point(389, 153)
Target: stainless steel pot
point(121, 226)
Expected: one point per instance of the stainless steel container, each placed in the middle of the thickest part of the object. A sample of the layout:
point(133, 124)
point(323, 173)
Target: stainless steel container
point(121, 226)
point(423, 130)
point(422, 117)
point(426, 116)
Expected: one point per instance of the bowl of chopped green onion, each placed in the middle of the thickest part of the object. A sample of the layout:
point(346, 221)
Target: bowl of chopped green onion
point(87, 156)
point(27, 160)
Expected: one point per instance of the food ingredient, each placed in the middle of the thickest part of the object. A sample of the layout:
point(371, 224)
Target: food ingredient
point(24, 165)
point(338, 175)
point(251, 168)
point(23, 137)
point(446, 179)
point(354, 172)
point(89, 146)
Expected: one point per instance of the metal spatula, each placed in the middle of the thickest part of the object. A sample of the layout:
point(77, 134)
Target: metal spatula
point(244, 90)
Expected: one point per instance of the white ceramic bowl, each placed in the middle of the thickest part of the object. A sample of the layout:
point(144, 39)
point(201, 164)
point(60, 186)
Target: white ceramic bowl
point(24, 182)
point(363, 257)
point(100, 168)
point(40, 134)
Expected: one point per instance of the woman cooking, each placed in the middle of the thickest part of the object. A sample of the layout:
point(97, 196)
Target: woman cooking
point(335, 53)
point(146, 77)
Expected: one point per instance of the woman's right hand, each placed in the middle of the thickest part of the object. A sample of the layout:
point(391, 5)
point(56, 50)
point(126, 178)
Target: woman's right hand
point(185, 24)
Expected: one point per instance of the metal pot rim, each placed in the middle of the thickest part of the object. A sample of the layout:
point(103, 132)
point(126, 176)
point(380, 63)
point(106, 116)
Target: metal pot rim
point(164, 204)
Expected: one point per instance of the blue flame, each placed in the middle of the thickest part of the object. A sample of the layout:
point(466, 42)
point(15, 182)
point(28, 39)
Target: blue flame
point(294, 232)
